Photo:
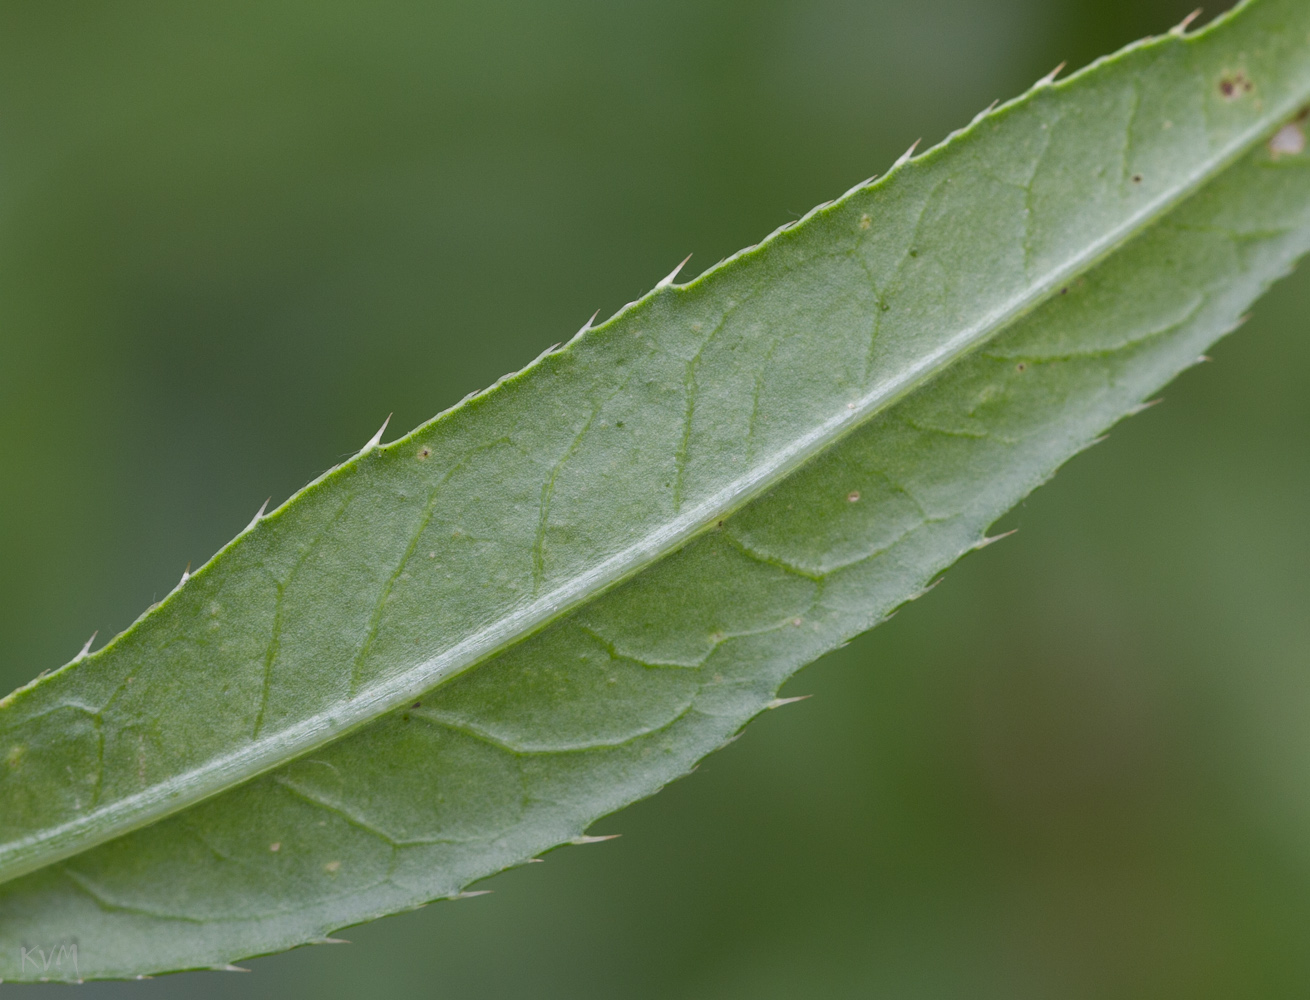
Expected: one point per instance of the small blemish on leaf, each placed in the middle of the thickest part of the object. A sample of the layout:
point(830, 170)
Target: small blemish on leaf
point(275, 846)
point(425, 452)
point(1021, 367)
point(1137, 178)
point(417, 704)
point(796, 622)
point(914, 253)
point(853, 496)
point(1287, 141)
point(332, 867)
point(14, 756)
point(865, 221)
point(1233, 86)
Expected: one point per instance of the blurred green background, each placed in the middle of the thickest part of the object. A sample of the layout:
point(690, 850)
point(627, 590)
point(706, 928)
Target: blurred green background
point(234, 237)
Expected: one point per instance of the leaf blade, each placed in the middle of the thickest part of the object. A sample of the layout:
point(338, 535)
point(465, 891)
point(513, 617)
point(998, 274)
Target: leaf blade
point(798, 555)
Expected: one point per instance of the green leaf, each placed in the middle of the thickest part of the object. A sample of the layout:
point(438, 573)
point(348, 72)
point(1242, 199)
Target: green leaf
point(458, 650)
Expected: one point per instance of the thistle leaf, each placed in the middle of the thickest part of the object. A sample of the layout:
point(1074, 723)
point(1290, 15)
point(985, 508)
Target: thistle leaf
point(460, 649)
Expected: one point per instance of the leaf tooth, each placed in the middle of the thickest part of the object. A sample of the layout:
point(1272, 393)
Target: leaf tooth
point(1180, 29)
point(376, 439)
point(668, 281)
point(86, 649)
point(905, 157)
point(329, 940)
point(779, 702)
point(258, 514)
point(229, 967)
point(585, 839)
point(469, 894)
point(587, 325)
point(856, 187)
point(985, 112)
point(1143, 407)
point(1049, 78)
point(987, 540)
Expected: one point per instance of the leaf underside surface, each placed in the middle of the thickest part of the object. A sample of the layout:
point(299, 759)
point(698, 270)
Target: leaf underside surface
point(458, 650)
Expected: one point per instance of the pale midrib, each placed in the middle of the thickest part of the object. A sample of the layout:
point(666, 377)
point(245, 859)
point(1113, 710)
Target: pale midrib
point(37, 850)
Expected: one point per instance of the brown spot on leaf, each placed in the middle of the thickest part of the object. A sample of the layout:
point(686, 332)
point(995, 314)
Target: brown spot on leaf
point(1234, 86)
point(1021, 367)
point(852, 496)
point(425, 452)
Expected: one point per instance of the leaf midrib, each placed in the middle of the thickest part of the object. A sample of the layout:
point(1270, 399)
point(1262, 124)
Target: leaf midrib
point(48, 846)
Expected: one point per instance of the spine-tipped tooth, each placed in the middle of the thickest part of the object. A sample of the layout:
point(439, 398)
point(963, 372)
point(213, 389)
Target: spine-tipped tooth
point(584, 839)
point(779, 702)
point(905, 157)
point(1180, 29)
point(667, 282)
point(258, 514)
point(1049, 78)
point(376, 439)
point(1142, 407)
point(585, 327)
point(87, 648)
point(982, 543)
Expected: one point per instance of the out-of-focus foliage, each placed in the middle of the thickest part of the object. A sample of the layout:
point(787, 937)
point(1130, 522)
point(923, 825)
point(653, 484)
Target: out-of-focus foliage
point(1077, 769)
